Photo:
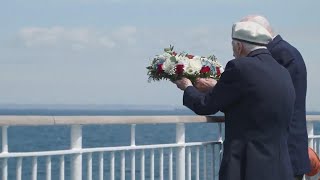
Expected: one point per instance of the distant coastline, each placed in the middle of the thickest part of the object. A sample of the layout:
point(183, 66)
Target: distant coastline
point(92, 110)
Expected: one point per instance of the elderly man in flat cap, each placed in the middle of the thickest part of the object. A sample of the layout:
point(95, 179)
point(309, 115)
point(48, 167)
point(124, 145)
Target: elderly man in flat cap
point(257, 96)
point(290, 58)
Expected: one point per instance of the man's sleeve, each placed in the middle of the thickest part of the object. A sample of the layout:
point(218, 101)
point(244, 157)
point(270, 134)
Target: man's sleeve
point(226, 92)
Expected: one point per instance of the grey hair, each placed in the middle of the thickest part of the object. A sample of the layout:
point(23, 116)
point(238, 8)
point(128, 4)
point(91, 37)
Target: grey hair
point(250, 47)
point(260, 20)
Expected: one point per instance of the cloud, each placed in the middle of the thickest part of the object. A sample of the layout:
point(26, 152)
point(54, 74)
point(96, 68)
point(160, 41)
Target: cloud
point(197, 40)
point(34, 35)
point(76, 38)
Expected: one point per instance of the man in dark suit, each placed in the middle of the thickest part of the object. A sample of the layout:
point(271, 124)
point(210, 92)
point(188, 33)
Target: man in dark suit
point(290, 58)
point(257, 96)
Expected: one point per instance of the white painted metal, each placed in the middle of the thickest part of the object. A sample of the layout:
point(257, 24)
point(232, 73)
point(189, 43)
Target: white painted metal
point(133, 155)
point(76, 147)
point(123, 166)
point(213, 170)
point(76, 160)
point(161, 165)
point(205, 162)
point(102, 149)
point(62, 167)
point(4, 167)
point(101, 166)
point(19, 169)
point(152, 164)
point(34, 168)
point(197, 163)
point(313, 142)
point(4, 139)
point(220, 140)
point(310, 130)
point(189, 163)
point(133, 165)
point(170, 164)
point(314, 136)
point(48, 168)
point(142, 168)
point(86, 120)
point(78, 151)
point(133, 135)
point(89, 166)
point(317, 147)
point(112, 166)
point(180, 139)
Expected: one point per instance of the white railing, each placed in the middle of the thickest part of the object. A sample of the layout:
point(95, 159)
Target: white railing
point(313, 139)
point(180, 159)
point(179, 162)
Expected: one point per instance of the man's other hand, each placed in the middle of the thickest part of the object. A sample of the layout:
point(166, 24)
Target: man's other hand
point(183, 83)
point(205, 84)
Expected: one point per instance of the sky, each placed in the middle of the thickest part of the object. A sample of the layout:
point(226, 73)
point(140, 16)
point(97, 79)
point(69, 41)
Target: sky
point(96, 51)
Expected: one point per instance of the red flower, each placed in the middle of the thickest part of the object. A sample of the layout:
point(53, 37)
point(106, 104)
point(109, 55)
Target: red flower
point(160, 69)
point(190, 56)
point(205, 69)
point(218, 71)
point(179, 69)
point(174, 53)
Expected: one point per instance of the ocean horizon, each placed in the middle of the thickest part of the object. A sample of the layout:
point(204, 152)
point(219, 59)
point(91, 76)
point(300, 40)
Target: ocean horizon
point(99, 110)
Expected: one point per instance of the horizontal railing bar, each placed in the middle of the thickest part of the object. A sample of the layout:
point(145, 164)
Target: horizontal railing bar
point(15, 120)
point(314, 136)
point(7, 120)
point(153, 146)
point(101, 149)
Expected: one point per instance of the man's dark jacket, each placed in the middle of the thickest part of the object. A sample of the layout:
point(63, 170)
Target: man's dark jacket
point(257, 96)
point(289, 57)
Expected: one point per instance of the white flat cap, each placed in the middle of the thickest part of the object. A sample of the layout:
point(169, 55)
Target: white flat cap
point(251, 32)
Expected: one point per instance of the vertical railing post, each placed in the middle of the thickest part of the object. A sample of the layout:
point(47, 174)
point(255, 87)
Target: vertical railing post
point(76, 160)
point(180, 139)
point(221, 142)
point(4, 150)
point(310, 130)
point(133, 155)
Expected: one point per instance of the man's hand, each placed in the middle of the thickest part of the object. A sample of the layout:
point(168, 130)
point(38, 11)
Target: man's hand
point(205, 84)
point(183, 83)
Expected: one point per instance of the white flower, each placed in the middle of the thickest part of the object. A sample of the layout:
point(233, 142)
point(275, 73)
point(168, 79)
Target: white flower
point(196, 58)
point(166, 55)
point(221, 69)
point(194, 66)
point(182, 60)
point(169, 66)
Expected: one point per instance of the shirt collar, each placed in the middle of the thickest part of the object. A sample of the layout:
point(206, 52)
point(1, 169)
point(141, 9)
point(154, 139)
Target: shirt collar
point(258, 51)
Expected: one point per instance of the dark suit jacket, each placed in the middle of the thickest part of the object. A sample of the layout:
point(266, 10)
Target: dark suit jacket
point(289, 57)
point(257, 96)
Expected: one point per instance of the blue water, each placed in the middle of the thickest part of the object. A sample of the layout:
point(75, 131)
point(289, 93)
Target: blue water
point(43, 138)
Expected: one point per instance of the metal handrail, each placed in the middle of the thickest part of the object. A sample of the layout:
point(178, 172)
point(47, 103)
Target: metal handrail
point(14, 120)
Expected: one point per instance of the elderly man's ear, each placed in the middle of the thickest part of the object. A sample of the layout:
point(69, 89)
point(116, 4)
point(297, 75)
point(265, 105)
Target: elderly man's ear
point(205, 84)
